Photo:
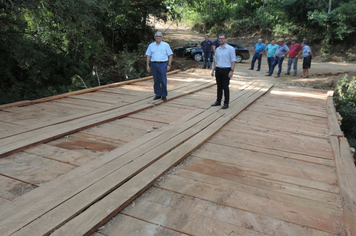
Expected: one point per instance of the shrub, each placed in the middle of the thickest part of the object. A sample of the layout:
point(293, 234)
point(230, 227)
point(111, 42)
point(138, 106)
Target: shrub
point(345, 98)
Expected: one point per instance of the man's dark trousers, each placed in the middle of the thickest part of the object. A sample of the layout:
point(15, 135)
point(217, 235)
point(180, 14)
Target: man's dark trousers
point(159, 72)
point(279, 61)
point(270, 62)
point(222, 82)
point(207, 56)
point(256, 56)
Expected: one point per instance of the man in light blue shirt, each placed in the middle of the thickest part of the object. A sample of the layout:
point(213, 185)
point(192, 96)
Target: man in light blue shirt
point(259, 49)
point(270, 51)
point(224, 69)
point(158, 53)
point(281, 52)
point(307, 57)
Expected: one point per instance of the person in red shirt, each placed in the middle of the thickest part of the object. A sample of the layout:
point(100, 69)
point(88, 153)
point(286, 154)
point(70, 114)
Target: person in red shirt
point(294, 49)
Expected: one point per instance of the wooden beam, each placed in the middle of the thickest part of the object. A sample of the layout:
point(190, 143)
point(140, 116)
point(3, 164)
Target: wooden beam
point(346, 172)
point(334, 126)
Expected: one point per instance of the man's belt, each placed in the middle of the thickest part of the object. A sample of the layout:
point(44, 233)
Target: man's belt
point(158, 62)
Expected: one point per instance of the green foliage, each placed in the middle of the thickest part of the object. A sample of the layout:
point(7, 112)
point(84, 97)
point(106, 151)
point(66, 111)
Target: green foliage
point(303, 19)
point(345, 99)
point(45, 45)
point(131, 65)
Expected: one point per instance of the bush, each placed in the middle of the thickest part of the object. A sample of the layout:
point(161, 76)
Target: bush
point(345, 98)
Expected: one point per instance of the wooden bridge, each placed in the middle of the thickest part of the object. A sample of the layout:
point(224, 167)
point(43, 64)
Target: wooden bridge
point(111, 161)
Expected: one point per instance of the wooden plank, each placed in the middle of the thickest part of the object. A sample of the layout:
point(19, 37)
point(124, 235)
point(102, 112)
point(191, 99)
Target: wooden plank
point(274, 152)
point(227, 196)
point(26, 103)
point(127, 225)
point(319, 121)
point(199, 138)
point(91, 105)
point(281, 197)
point(112, 131)
point(32, 169)
point(273, 139)
point(198, 167)
point(279, 125)
point(12, 188)
point(268, 163)
point(347, 174)
point(245, 219)
point(56, 153)
point(292, 109)
point(334, 126)
point(186, 222)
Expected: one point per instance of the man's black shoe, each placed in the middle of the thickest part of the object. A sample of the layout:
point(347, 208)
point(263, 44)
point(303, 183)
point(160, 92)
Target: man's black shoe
point(216, 104)
point(251, 69)
point(164, 98)
point(225, 106)
point(157, 97)
point(258, 70)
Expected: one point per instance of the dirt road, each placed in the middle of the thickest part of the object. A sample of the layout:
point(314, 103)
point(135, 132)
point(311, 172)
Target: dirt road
point(322, 75)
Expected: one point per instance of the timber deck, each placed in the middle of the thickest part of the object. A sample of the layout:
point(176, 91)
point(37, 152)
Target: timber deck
point(110, 161)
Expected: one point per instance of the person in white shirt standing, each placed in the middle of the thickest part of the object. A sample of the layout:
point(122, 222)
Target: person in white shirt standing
point(160, 55)
point(224, 69)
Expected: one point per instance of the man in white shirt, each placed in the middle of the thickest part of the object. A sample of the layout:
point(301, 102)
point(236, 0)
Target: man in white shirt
point(159, 53)
point(224, 69)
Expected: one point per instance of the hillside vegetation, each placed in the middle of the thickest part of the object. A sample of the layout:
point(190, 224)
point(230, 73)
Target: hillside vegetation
point(55, 46)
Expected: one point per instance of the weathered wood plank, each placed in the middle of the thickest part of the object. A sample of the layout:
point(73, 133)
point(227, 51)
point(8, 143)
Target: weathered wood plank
point(347, 174)
point(334, 126)
point(197, 167)
point(127, 225)
point(256, 204)
point(223, 213)
point(268, 163)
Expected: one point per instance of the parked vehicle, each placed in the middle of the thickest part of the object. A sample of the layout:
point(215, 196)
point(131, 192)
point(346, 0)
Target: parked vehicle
point(195, 53)
point(179, 51)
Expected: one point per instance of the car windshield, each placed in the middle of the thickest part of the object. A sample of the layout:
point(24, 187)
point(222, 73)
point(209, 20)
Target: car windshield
point(191, 45)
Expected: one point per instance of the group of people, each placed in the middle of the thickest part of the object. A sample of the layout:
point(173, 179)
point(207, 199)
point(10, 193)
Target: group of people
point(277, 52)
point(160, 55)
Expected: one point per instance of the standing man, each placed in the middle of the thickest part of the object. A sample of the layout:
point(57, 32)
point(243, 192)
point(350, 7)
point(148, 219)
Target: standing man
point(224, 69)
point(206, 47)
point(281, 52)
point(216, 44)
point(270, 51)
point(294, 50)
point(159, 53)
point(307, 57)
point(259, 49)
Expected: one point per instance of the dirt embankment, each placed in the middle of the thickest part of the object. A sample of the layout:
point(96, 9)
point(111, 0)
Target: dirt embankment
point(322, 75)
